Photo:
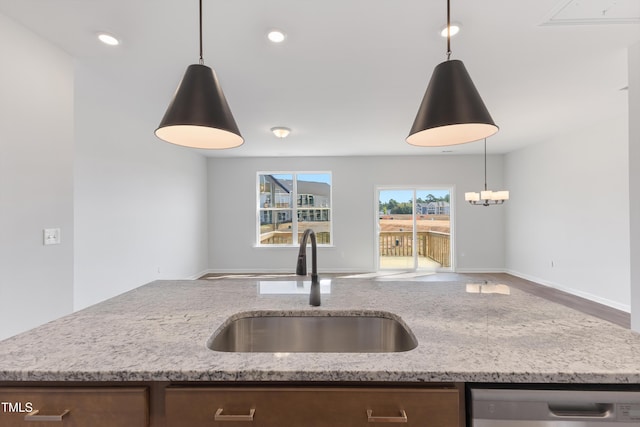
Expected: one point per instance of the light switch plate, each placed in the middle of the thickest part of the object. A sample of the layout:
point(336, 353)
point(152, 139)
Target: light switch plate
point(51, 236)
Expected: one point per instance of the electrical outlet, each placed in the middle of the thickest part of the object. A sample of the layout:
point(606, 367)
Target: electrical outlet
point(51, 236)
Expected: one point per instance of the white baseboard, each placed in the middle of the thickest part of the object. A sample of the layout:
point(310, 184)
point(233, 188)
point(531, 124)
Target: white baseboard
point(197, 276)
point(586, 295)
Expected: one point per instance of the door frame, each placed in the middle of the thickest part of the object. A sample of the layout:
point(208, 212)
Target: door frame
point(415, 188)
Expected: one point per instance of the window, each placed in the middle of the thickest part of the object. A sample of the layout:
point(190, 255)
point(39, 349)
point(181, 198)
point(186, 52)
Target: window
point(291, 202)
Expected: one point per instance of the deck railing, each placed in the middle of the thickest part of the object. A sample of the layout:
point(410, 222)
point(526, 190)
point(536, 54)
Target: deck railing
point(439, 247)
point(285, 238)
point(431, 244)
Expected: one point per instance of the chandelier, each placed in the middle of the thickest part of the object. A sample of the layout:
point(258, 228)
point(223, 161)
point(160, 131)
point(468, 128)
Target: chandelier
point(486, 197)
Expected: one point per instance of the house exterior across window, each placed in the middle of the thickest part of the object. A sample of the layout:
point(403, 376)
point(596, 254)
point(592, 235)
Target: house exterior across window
point(291, 202)
point(433, 208)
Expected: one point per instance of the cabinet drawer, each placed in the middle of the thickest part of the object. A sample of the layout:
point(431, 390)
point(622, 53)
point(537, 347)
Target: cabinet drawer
point(74, 407)
point(311, 407)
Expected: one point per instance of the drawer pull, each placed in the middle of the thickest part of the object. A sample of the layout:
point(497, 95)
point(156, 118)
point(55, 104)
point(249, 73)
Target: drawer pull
point(35, 416)
point(221, 417)
point(400, 419)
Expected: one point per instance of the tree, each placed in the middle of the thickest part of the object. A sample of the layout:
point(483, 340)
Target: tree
point(402, 208)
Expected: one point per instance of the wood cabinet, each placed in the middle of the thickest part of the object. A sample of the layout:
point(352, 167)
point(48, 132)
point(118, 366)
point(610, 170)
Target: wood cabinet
point(163, 404)
point(74, 406)
point(312, 406)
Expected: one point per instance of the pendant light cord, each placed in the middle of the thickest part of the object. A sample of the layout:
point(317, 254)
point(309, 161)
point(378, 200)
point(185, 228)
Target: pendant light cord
point(201, 59)
point(485, 164)
point(448, 30)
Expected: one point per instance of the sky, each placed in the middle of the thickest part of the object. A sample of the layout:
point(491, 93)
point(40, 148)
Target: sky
point(406, 195)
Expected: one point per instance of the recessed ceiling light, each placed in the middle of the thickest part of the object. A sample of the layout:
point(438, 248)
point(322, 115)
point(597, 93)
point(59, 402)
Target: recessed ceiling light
point(455, 29)
point(276, 36)
point(281, 132)
point(108, 39)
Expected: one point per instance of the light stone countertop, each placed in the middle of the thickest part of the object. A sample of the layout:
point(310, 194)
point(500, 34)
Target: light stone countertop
point(159, 331)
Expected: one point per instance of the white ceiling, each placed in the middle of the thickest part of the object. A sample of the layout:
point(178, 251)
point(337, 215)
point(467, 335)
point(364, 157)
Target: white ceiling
point(350, 75)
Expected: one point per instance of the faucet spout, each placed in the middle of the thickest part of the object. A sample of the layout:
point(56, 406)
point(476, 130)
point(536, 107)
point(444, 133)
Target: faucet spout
point(301, 267)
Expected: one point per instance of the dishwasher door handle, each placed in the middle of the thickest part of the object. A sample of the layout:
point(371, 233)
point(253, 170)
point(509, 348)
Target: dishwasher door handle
point(593, 410)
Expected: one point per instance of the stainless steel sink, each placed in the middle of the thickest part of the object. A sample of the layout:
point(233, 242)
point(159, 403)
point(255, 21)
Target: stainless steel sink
point(332, 332)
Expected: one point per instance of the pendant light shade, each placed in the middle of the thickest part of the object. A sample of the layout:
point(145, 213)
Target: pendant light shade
point(452, 111)
point(199, 115)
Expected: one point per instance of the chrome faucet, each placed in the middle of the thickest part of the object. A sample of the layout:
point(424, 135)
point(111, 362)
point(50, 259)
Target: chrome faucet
point(301, 268)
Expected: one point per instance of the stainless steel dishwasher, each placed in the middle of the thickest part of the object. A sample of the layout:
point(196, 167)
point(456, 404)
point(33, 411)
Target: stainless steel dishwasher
point(554, 408)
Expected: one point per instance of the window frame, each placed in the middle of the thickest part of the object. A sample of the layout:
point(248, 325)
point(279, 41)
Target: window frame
point(294, 208)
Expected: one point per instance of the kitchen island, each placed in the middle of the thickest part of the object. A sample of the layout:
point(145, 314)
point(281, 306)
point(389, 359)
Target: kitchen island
point(141, 358)
point(158, 332)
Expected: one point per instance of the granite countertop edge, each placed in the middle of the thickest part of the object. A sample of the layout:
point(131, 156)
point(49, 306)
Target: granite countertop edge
point(311, 377)
point(158, 332)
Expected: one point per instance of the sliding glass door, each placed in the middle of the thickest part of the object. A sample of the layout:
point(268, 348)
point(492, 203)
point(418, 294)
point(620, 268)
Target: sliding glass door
point(395, 225)
point(414, 228)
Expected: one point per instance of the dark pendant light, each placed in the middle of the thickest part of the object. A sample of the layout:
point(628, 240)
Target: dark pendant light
point(452, 111)
point(199, 116)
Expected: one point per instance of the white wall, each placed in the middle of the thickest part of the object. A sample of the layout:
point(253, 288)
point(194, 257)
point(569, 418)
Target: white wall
point(634, 180)
point(140, 203)
point(568, 217)
point(232, 210)
point(36, 179)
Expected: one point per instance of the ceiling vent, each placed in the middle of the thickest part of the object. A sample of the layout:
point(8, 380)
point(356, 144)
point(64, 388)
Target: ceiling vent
point(581, 12)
